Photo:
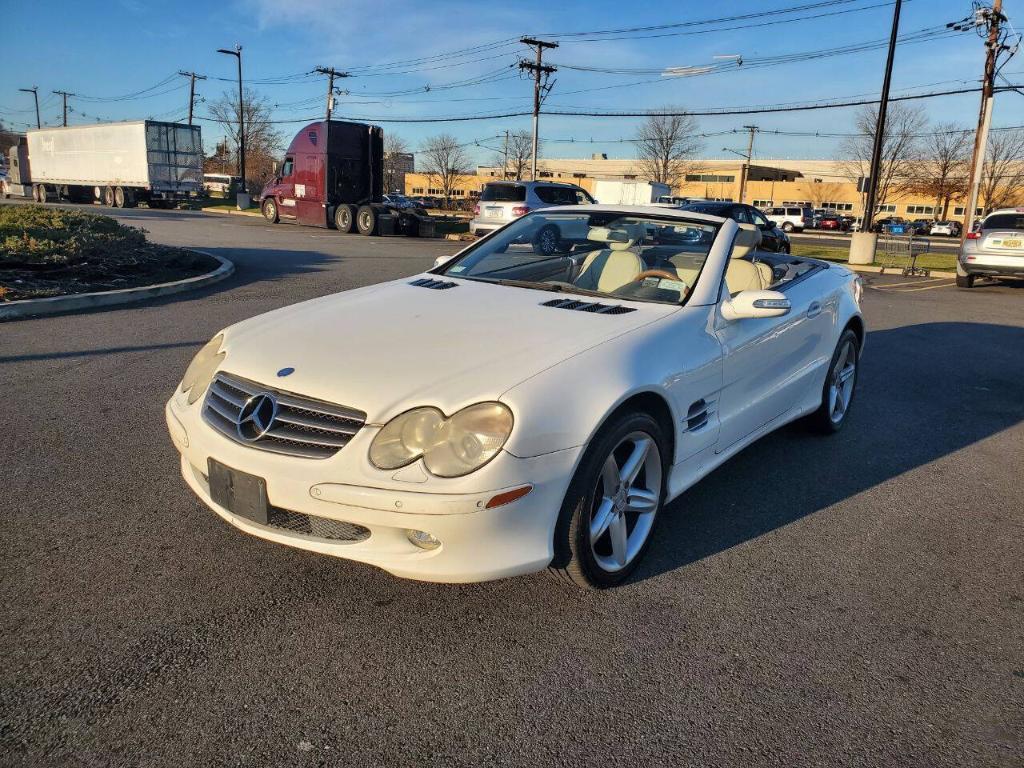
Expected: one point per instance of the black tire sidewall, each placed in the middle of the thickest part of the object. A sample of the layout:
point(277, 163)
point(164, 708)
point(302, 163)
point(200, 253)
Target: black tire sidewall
point(361, 217)
point(270, 211)
point(573, 554)
point(343, 219)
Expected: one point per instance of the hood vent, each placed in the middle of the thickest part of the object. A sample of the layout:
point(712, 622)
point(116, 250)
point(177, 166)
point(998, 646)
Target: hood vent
point(588, 306)
point(437, 285)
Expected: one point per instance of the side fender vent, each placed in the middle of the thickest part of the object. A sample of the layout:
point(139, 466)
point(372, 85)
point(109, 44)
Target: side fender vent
point(437, 285)
point(699, 414)
point(588, 306)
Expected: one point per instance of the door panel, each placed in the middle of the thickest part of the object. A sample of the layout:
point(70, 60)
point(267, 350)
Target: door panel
point(770, 362)
point(286, 189)
point(309, 190)
point(696, 388)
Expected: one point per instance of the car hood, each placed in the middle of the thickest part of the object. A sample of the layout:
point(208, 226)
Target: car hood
point(389, 347)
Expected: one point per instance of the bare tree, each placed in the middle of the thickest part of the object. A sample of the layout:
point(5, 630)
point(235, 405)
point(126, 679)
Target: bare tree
point(820, 192)
point(516, 158)
point(1002, 176)
point(262, 141)
point(445, 163)
point(395, 150)
point(666, 147)
point(8, 139)
point(903, 124)
point(941, 170)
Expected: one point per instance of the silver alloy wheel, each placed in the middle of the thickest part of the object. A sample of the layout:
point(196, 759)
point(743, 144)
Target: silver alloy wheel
point(841, 381)
point(626, 499)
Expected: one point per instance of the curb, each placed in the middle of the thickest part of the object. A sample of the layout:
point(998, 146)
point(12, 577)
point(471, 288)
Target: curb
point(13, 310)
point(232, 213)
point(870, 268)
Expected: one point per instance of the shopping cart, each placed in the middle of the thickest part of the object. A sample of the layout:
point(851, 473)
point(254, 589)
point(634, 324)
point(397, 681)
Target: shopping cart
point(899, 251)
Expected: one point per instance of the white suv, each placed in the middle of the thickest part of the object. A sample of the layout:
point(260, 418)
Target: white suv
point(995, 250)
point(791, 218)
point(505, 201)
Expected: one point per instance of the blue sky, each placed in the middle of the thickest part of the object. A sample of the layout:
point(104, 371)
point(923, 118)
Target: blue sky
point(119, 47)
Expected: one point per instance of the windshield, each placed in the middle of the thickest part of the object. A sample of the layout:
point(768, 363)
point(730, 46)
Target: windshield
point(503, 193)
point(600, 253)
point(1004, 221)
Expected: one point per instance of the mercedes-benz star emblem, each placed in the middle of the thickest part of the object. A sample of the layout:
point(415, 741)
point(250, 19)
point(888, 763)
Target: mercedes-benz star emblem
point(256, 417)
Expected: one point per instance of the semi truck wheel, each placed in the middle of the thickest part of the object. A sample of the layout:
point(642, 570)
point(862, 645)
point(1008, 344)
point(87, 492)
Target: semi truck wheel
point(42, 193)
point(366, 220)
point(270, 211)
point(108, 197)
point(118, 197)
point(344, 218)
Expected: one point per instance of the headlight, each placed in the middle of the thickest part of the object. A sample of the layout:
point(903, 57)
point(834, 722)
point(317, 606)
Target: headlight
point(200, 371)
point(450, 447)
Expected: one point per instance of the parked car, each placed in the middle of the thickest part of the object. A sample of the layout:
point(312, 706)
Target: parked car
point(886, 223)
point(772, 238)
point(834, 222)
point(995, 250)
point(791, 219)
point(505, 201)
point(946, 228)
point(399, 201)
point(922, 226)
point(568, 401)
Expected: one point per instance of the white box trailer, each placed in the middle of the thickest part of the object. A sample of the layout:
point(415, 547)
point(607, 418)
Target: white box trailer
point(120, 164)
point(614, 192)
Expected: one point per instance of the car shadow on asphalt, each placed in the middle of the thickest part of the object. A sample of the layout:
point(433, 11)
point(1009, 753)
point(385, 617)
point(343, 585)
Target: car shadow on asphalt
point(916, 402)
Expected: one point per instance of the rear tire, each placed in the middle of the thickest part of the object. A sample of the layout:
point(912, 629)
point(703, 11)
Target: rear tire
point(108, 197)
point(42, 194)
point(965, 281)
point(840, 386)
point(118, 197)
point(269, 209)
point(366, 220)
point(623, 513)
point(344, 218)
point(787, 227)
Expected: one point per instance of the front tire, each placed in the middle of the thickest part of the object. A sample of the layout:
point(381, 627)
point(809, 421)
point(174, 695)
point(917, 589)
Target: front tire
point(787, 227)
point(269, 209)
point(840, 385)
point(611, 507)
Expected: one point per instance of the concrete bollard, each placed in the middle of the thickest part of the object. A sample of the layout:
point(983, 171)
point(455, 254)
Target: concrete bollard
point(862, 248)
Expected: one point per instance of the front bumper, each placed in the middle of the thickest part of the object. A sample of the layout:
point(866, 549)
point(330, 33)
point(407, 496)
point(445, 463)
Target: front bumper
point(477, 544)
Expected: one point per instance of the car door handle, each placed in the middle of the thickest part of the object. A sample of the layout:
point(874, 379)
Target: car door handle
point(815, 309)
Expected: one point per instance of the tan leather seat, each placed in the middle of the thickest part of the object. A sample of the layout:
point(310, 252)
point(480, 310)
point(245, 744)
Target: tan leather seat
point(743, 275)
point(611, 268)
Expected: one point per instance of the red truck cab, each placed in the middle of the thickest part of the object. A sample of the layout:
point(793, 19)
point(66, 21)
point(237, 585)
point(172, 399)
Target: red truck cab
point(332, 176)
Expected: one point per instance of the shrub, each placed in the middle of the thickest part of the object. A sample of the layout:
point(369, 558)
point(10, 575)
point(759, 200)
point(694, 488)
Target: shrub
point(34, 234)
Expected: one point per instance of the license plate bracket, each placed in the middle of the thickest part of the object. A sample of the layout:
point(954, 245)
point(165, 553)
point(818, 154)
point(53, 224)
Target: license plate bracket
point(239, 492)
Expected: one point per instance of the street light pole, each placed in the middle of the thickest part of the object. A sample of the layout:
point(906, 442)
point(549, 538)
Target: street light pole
point(34, 90)
point(237, 53)
point(862, 246)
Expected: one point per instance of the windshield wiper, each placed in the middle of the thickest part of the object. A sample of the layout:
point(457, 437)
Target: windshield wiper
point(554, 286)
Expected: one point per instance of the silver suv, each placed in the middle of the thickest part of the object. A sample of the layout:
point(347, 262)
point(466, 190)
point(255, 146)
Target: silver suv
point(995, 250)
point(505, 201)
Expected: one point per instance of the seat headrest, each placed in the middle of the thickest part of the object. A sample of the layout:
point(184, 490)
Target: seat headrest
point(747, 240)
point(619, 238)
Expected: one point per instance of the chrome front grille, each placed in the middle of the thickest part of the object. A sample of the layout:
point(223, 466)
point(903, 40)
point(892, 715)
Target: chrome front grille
point(300, 426)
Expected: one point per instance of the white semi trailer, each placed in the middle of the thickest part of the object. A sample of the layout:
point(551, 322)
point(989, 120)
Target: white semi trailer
point(118, 164)
point(614, 192)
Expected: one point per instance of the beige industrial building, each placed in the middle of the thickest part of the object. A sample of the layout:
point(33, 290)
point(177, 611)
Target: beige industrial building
point(812, 183)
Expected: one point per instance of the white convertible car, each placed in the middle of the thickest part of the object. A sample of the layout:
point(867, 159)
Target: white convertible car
point(530, 403)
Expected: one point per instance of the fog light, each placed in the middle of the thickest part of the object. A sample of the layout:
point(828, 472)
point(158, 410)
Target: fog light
point(422, 539)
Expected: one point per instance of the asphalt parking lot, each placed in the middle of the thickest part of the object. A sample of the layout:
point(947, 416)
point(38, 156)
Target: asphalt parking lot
point(855, 600)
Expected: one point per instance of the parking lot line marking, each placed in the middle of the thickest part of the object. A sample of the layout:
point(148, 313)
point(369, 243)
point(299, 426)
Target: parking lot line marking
point(888, 286)
point(950, 284)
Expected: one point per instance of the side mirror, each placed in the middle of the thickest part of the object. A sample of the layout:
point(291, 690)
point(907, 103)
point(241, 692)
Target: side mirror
point(755, 304)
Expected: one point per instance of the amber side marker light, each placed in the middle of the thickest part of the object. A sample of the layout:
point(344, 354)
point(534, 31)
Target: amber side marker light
point(508, 496)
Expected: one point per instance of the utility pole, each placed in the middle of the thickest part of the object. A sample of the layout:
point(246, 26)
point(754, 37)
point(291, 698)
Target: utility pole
point(237, 53)
point(862, 246)
point(34, 90)
point(993, 18)
point(745, 171)
point(538, 68)
point(191, 90)
point(504, 158)
point(65, 95)
point(331, 73)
